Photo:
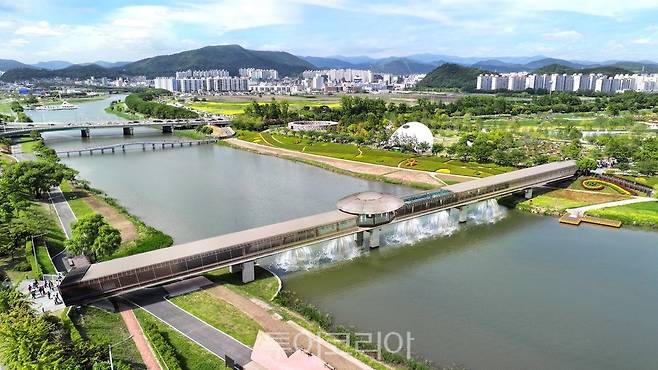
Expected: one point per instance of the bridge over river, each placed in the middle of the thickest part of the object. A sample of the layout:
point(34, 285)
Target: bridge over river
point(363, 215)
point(166, 125)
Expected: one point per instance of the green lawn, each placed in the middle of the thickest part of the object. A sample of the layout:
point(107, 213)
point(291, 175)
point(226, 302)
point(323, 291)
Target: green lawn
point(80, 207)
point(104, 328)
point(220, 315)
point(374, 156)
point(44, 261)
point(557, 201)
point(637, 214)
point(189, 354)
point(4, 158)
point(237, 107)
point(28, 146)
point(264, 287)
point(577, 185)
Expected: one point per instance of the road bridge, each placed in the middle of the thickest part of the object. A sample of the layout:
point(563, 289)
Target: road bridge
point(166, 125)
point(153, 145)
point(362, 214)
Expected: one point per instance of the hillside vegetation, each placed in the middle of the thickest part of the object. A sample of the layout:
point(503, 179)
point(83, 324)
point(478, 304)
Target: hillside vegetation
point(451, 76)
point(559, 68)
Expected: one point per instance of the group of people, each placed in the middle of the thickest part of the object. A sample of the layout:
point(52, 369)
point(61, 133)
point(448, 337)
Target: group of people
point(45, 288)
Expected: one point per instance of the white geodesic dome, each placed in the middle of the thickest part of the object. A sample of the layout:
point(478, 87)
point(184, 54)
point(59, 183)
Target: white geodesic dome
point(412, 132)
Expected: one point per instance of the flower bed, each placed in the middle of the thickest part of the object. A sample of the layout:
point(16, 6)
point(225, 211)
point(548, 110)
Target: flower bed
point(597, 185)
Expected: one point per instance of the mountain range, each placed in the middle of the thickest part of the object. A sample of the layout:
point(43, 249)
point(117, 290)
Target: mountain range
point(233, 57)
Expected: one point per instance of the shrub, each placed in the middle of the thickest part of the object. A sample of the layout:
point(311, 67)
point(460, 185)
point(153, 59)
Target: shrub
point(163, 347)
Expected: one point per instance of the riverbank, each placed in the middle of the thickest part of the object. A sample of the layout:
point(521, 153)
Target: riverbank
point(119, 109)
point(416, 179)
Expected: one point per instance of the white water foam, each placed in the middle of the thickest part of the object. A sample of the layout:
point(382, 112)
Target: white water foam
point(443, 223)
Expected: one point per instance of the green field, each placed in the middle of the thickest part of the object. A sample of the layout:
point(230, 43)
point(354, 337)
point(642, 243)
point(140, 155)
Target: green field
point(637, 214)
point(219, 314)
point(233, 106)
point(80, 207)
point(44, 261)
point(104, 328)
point(28, 146)
point(264, 287)
point(190, 355)
point(557, 201)
point(374, 156)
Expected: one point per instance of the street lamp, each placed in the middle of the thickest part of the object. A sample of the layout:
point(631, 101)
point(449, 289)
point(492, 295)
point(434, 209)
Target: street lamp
point(114, 345)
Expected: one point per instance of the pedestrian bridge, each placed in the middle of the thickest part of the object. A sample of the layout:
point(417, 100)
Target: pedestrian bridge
point(167, 125)
point(363, 214)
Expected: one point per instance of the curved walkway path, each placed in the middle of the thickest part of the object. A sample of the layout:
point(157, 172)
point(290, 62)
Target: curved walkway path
point(581, 210)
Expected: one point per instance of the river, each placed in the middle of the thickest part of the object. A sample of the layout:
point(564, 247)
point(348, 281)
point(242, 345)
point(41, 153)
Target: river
point(92, 111)
point(521, 293)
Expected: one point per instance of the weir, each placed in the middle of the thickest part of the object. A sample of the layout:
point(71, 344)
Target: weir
point(368, 215)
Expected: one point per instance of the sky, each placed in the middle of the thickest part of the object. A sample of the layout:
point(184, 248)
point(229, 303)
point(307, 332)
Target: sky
point(127, 30)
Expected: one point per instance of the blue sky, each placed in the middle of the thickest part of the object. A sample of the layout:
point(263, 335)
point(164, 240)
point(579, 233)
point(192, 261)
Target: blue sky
point(118, 30)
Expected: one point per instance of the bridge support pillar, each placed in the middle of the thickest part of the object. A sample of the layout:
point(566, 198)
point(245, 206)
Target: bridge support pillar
point(528, 193)
point(235, 268)
point(128, 131)
point(375, 238)
point(463, 214)
point(359, 238)
point(167, 129)
point(84, 132)
point(248, 274)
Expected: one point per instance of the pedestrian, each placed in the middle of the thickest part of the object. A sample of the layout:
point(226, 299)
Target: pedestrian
point(48, 294)
point(33, 294)
point(29, 288)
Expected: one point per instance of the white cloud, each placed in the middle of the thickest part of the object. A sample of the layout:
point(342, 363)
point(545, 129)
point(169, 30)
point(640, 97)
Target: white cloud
point(40, 29)
point(18, 42)
point(564, 36)
point(643, 41)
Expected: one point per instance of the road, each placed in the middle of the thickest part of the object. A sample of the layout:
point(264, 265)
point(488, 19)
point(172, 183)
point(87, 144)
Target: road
point(215, 341)
point(581, 210)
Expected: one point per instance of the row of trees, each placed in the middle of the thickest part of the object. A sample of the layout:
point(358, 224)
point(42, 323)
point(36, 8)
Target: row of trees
point(144, 103)
point(31, 341)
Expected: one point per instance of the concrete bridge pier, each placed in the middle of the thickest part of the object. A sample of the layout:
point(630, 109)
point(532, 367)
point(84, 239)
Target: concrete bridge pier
point(375, 238)
point(153, 146)
point(528, 193)
point(247, 269)
point(163, 145)
point(359, 238)
point(128, 131)
point(463, 214)
point(102, 151)
point(112, 150)
point(167, 129)
point(84, 132)
point(123, 148)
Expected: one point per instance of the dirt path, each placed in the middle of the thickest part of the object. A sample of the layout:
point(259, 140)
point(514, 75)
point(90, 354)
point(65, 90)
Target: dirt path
point(142, 344)
point(288, 335)
point(392, 173)
point(112, 216)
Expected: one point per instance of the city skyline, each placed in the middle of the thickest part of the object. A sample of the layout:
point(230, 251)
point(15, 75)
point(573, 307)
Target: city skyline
point(79, 31)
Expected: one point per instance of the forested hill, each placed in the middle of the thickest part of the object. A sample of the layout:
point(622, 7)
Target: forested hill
point(228, 57)
point(559, 68)
point(75, 71)
point(451, 76)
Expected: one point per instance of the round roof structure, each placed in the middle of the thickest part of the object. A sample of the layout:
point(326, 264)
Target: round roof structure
point(414, 132)
point(369, 203)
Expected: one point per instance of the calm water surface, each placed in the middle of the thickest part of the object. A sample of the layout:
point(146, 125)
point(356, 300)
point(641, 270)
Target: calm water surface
point(523, 293)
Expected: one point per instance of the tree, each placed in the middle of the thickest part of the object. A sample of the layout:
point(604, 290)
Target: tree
point(92, 235)
point(33, 178)
point(586, 164)
point(647, 167)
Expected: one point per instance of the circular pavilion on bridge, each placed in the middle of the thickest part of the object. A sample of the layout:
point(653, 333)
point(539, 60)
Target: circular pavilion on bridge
point(373, 208)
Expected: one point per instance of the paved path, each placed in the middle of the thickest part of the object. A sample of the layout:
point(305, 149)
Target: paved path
point(289, 336)
point(143, 347)
point(61, 206)
point(212, 339)
point(582, 210)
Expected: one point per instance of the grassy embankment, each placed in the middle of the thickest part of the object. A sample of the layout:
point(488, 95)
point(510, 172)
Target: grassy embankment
point(637, 214)
point(148, 238)
point(105, 328)
point(121, 110)
point(189, 355)
point(374, 156)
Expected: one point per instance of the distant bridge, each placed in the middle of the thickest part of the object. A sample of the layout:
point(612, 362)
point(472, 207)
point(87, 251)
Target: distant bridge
point(363, 214)
point(143, 144)
point(167, 126)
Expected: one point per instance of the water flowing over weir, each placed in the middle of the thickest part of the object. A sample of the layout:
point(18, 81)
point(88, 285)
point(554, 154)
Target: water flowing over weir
point(443, 223)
